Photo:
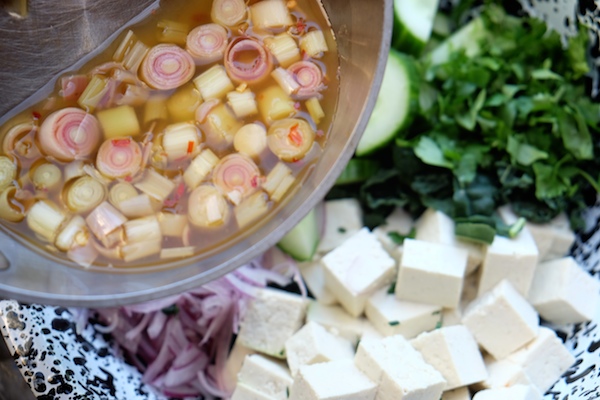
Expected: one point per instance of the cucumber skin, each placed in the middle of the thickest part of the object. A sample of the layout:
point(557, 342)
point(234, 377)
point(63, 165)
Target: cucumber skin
point(412, 72)
point(307, 231)
point(403, 40)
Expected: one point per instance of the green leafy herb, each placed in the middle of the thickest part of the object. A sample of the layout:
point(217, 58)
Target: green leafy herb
point(394, 323)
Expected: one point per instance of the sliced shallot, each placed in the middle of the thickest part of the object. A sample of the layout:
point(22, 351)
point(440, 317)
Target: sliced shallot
point(237, 176)
point(207, 43)
point(167, 67)
point(228, 12)
point(207, 207)
point(247, 60)
point(119, 158)
point(72, 86)
point(310, 78)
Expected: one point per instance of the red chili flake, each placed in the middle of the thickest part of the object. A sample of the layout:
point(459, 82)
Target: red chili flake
point(121, 142)
point(128, 178)
point(190, 148)
point(36, 115)
point(294, 136)
point(300, 26)
point(254, 181)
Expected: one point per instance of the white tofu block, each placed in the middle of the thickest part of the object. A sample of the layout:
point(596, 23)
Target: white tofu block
point(453, 351)
point(314, 277)
point(399, 222)
point(544, 359)
point(334, 380)
point(271, 318)
point(501, 320)
point(563, 293)
point(502, 373)
point(431, 273)
point(337, 321)
point(356, 269)
point(451, 317)
point(457, 394)
point(399, 369)
point(554, 239)
point(245, 392)
point(511, 259)
point(436, 227)
point(314, 344)
point(267, 376)
point(343, 218)
point(234, 363)
point(391, 316)
point(517, 392)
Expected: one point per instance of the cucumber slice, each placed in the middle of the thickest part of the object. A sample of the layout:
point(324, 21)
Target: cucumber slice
point(397, 102)
point(467, 38)
point(301, 242)
point(413, 23)
point(358, 170)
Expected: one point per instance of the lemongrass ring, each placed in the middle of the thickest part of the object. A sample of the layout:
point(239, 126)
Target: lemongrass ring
point(84, 194)
point(69, 134)
point(290, 139)
point(228, 12)
point(207, 207)
point(119, 158)
point(310, 78)
point(19, 140)
point(46, 177)
point(251, 139)
point(237, 176)
point(207, 43)
point(167, 67)
point(120, 192)
point(8, 172)
point(10, 210)
point(247, 60)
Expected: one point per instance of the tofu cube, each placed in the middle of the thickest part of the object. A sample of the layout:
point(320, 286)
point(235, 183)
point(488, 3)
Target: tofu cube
point(517, 392)
point(267, 376)
point(436, 227)
point(554, 239)
point(453, 351)
point(399, 222)
point(271, 318)
point(314, 344)
point(457, 394)
point(343, 218)
point(563, 293)
point(431, 273)
point(399, 369)
point(501, 320)
point(314, 277)
point(502, 373)
point(234, 363)
point(356, 269)
point(391, 316)
point(544, 359)
point(336, 320)
point(334, 380)
point(245, 392)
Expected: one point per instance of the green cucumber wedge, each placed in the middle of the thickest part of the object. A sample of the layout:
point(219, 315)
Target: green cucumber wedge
point(413, 23)
point(358, 170)
point(468, 38)
point(301, 242)
point(396, 105)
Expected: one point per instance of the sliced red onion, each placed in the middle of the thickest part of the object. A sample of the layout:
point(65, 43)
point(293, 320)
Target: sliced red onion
point(119, 158)
point(310, 78)
point(247, 60)
point(73, 86)
point(69, 134)
point(228, 12)
point(236, 173)
point(167, 67)
point(207, 43)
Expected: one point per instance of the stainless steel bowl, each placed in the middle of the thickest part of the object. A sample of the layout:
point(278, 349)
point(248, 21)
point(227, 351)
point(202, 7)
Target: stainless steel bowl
point(55, 34)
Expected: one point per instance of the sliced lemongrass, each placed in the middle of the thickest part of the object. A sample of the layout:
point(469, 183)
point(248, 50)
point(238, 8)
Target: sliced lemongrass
point(284, 48)
point(8, 172)
point(207, 43)
point(290, 139)
point(135, 57)
point(84, 194)
point(90, 170)
point(172, 224)
point(228, 12)
point(95, 90)
point(125, 46)
point(155, 185)
point(119, 158)
point(177, 252)
point(155, 109)
point(181, 141)
point(237, 176)
point(73, 169)
point(242, 103)
point(83, 255)
point(140, 205)
point(183, 103)
point(19, 140)
point(167, 67)
point(46, 177)
point(315, 110)
point(247, 61)
point(119, 122)
point(205, 108)
point(309, 77)
point(214, 83)
point(252, 208)
point(207, 207)
point(278, 181)
point(110, 252)
point(45, 219)
point(69, 134)
point(251, 139)
point(73, 86)
point(10, 210)
point(142, 229)
point(285, 80)
point(313, 43)
point(274, 104)
point(104, 219)
point(172, 31)
point(74, 233)
point(199, 168)
point(270, 14)
point(139, 250)
point(134, 95)
point(220, 126)
point(120, 192)
point(158, 157)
